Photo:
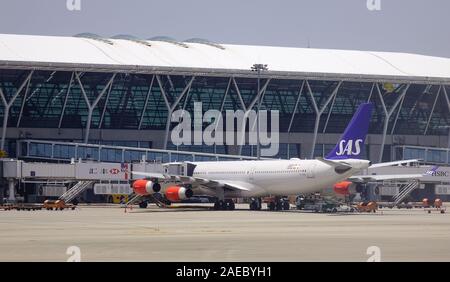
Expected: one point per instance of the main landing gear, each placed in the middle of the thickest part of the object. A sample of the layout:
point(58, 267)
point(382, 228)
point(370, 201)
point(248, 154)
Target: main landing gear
point(224, 205)
point(255, 205)
point(278, 205)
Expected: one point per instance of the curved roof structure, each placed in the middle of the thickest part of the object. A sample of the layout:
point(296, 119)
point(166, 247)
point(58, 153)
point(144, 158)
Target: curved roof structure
point(84, 53)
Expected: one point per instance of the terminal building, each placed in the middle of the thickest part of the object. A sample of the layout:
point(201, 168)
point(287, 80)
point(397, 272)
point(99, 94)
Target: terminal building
point(108, 99)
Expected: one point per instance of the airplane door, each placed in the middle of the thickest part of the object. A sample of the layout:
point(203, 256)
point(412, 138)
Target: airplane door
point(310, 171)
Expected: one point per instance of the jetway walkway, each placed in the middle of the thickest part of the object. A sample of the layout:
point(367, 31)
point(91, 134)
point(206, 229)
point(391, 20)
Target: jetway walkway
point(72, 172)
point(85, 175)
point(64, 151)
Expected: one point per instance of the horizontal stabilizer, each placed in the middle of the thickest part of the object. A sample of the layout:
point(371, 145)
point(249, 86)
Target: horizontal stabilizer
point(394, 163)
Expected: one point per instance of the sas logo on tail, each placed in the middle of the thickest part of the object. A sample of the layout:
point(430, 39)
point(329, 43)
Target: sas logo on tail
point(349, 147)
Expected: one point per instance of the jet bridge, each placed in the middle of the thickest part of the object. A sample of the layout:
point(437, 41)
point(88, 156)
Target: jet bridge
point(84, 174)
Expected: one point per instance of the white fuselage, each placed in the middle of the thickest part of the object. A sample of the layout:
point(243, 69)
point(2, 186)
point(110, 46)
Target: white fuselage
point(274, 177)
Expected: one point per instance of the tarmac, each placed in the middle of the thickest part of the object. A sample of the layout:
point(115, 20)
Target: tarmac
point(198, 234)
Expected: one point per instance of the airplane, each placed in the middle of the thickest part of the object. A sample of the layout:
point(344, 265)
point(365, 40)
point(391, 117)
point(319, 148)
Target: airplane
point(255, 179)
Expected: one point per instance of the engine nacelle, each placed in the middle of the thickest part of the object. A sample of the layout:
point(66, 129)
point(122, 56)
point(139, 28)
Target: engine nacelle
point(146, 187)
point(345, 188)
point(178, 193)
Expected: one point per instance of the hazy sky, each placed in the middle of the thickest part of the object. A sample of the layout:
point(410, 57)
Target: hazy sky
point(418, 26)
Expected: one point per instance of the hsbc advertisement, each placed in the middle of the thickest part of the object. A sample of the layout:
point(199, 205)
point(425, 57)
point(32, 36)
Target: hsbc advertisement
point(104, 171)
point(437, 173)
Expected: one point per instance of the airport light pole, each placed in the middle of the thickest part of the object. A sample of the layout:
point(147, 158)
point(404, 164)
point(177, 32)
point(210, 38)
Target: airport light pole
point(258, 68)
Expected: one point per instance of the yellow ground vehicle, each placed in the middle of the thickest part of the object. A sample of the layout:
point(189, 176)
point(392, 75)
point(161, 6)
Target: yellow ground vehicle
point(119, 199)
point(367, 207)
point(57, 205)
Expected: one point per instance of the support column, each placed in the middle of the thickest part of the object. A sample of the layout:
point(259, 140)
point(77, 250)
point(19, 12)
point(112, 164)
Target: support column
point(23, 103)
point(432, 110)
point(371, 92)
point(329, 114)
point(8, 105)
point(248, 109)
point(319, 112)
point(93, 105)
point(294, 111)
point(446, 97)
point(5, 119)
point(65, 100)
point(145, 103)
point(222, 105)
point(398, 114)
point(104, 106)
point(12, 189)
point(261, 98)
point(243, 106)
point(296, 107)
point(171, 108)
point(388, 115)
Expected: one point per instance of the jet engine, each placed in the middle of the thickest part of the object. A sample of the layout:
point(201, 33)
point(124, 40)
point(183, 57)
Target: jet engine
point(345, 188)
point(178, 193)
point(146, 187)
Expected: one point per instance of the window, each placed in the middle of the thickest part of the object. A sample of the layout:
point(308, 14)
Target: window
point(89, 153)
point(64, 151)
point(40, 150)
point(111, 155)
point(132, 156)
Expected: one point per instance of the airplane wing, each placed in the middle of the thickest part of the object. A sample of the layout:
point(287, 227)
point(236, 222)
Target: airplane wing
point(393, 163)
point(232, 185)
point(380, 177)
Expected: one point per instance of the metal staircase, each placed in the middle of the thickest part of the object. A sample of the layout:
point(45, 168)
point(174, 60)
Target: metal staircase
point(134, 198)
point(76, 190)
point(156, 199)
point(159, 201)
point(407, 189)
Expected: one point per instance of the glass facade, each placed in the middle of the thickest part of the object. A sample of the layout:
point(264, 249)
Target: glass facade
point(59, 99)
point(65, 151)
point(429, 155)
point(54, 97)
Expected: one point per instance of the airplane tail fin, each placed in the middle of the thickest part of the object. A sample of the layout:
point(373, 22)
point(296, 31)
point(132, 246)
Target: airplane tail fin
point(351, 144)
